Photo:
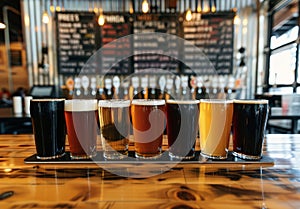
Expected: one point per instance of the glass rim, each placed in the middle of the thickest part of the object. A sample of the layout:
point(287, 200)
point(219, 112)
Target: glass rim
point(114, 103)
point(177, 101)
point(217, 101)
point(251, 101)
point(80, 105)
point(47, 99)
point(148, 102)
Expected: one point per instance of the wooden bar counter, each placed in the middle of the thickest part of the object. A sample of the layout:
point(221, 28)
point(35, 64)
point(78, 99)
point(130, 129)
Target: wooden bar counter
point(184, 185)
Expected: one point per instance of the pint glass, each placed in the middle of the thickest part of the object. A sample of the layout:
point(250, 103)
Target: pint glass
point(249, 124)
point(182, 127)
point(215, 127)
point(81, 120)
point(48, 123)
point(114, 120)
point(148, 120)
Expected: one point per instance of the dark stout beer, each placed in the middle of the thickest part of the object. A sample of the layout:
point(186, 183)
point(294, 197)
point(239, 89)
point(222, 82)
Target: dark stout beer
point(182, 127)
point(249, 123)
point(49, 127)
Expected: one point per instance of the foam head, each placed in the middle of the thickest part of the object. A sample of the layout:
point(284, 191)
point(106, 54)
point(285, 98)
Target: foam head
point(80, 105)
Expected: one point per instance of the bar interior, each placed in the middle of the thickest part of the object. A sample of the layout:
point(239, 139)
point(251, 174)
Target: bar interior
point(149, 104)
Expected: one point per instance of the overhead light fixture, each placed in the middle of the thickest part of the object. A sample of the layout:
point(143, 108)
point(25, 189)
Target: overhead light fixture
point(188, 15)
point(2, 25)
point(236, 20)
point(45, 17)
point(131, 10)
point(145, 6)
point(206, 6)
point(213, 8)
point(199, 9)
point(101, 19)
point(52, 8)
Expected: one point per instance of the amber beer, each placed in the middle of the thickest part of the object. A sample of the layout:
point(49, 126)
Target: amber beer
point(48, 123)
point(249, 124)
point(215, 126)
point(115, 127)
point(81, 120)
point(148, 120)
point(182, 127)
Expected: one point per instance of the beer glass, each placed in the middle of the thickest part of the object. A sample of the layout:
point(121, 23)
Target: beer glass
point(81, 120)
point(148, 120)
point(215, 127)
point(182, 127)
point(114, 120)
point(249, 124)
point(48, 123)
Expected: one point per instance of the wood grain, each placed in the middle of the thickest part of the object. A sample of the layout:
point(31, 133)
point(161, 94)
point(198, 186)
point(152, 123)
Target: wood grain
point(183, 186)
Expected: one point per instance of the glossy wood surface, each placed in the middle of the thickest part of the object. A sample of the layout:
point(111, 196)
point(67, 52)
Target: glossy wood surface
point(181, 186)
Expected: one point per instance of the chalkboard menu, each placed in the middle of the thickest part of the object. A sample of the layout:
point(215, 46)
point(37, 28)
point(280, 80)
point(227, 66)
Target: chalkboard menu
point(213, 35)
point(115, 27)
point(76, 41)
point(155, 51)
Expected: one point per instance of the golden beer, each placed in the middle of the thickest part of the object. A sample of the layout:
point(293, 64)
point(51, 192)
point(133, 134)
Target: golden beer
point(215, 125)
point(115, 127)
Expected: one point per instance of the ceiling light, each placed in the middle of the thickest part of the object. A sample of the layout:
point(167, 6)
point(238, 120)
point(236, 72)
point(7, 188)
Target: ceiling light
point(101, 19)
point(145, 6)
point(2, 25)
point(45, 17)
point(188, 15)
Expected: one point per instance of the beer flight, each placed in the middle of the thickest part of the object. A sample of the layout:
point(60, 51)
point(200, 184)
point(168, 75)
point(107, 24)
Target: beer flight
point(213, 120)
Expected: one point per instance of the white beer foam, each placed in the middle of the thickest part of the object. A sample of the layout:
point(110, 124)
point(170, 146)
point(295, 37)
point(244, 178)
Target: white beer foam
point(48, 100)
point(148, 102)
point(171, 101)
point(114, 103)
point(249, 101)
point(216, 101)
point(80, 105)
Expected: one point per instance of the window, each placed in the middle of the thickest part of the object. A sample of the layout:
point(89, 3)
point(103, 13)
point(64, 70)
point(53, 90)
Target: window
point(283, 53)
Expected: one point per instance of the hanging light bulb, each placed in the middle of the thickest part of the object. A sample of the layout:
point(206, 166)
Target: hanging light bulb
point(199, 9)
point(58, 9)
point(206, 7)
point(45, 17)
point(101, 19)
point(131, 10)
point(145, 6)
point(213, 8)
point(2, 25)
point(52, 8)
point(188, 15)
point(236, 20)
